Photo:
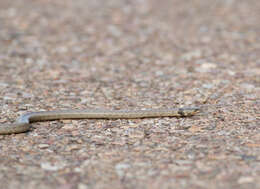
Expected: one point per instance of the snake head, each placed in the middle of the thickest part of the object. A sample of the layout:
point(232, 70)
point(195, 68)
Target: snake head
point(188, 111)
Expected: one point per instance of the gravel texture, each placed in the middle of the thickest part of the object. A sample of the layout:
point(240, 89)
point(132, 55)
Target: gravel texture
point(121, 54)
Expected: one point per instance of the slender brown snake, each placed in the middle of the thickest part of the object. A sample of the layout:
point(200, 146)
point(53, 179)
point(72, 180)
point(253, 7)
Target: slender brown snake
point(22, 124)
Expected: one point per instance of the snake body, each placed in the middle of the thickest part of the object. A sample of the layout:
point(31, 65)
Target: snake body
point(22, 124)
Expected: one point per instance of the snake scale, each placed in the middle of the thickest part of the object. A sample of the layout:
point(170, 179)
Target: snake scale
point(23, 123)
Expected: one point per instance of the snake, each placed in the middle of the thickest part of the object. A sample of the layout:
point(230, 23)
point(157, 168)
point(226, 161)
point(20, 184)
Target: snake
point(23, 123)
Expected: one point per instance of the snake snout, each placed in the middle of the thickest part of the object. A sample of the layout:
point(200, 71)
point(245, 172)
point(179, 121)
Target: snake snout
point(192, 110)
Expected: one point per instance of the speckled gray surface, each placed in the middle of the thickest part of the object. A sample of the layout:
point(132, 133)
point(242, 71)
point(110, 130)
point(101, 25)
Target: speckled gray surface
point(131, 55)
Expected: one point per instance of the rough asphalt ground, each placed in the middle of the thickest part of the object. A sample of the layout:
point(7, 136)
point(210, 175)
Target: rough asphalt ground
point(121, 54)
